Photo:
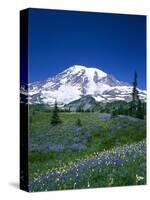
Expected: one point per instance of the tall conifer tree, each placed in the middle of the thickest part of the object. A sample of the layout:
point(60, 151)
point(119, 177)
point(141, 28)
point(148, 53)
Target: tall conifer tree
point(136, 105)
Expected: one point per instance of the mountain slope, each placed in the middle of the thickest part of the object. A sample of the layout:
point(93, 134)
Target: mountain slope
point(86, 103)
point(78, 81)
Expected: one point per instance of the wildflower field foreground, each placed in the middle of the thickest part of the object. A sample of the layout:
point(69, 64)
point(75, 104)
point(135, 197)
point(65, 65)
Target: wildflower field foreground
point(85, 150)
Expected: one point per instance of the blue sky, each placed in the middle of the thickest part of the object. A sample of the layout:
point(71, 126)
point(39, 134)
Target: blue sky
point(114, 43)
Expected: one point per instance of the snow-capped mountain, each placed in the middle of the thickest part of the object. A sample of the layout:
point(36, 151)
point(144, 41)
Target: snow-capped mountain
point(78, 81)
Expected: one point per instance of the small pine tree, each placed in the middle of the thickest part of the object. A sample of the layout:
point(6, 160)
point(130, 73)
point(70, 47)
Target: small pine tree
point(55, 117)
point(79, 122)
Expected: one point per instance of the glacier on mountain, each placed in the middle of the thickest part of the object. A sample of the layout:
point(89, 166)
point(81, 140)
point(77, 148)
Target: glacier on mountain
point(78, 81)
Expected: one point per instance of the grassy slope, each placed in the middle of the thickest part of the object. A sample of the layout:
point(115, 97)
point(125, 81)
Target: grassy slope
point(98, 133)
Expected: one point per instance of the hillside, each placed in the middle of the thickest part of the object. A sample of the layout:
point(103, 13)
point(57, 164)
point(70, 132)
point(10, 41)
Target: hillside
point(102, 151)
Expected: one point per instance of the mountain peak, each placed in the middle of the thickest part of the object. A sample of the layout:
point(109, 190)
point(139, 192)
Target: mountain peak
point(78, 81)
point(90, 71)
point(77, 67)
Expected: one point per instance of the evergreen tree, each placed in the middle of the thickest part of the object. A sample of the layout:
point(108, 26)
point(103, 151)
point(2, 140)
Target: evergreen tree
point(55, 117)
point(135, 97)
point(137, 108)
point(79, 122)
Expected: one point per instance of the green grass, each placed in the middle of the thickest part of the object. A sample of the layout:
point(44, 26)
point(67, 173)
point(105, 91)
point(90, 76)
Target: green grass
point(104, 135)
point(110, 176)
